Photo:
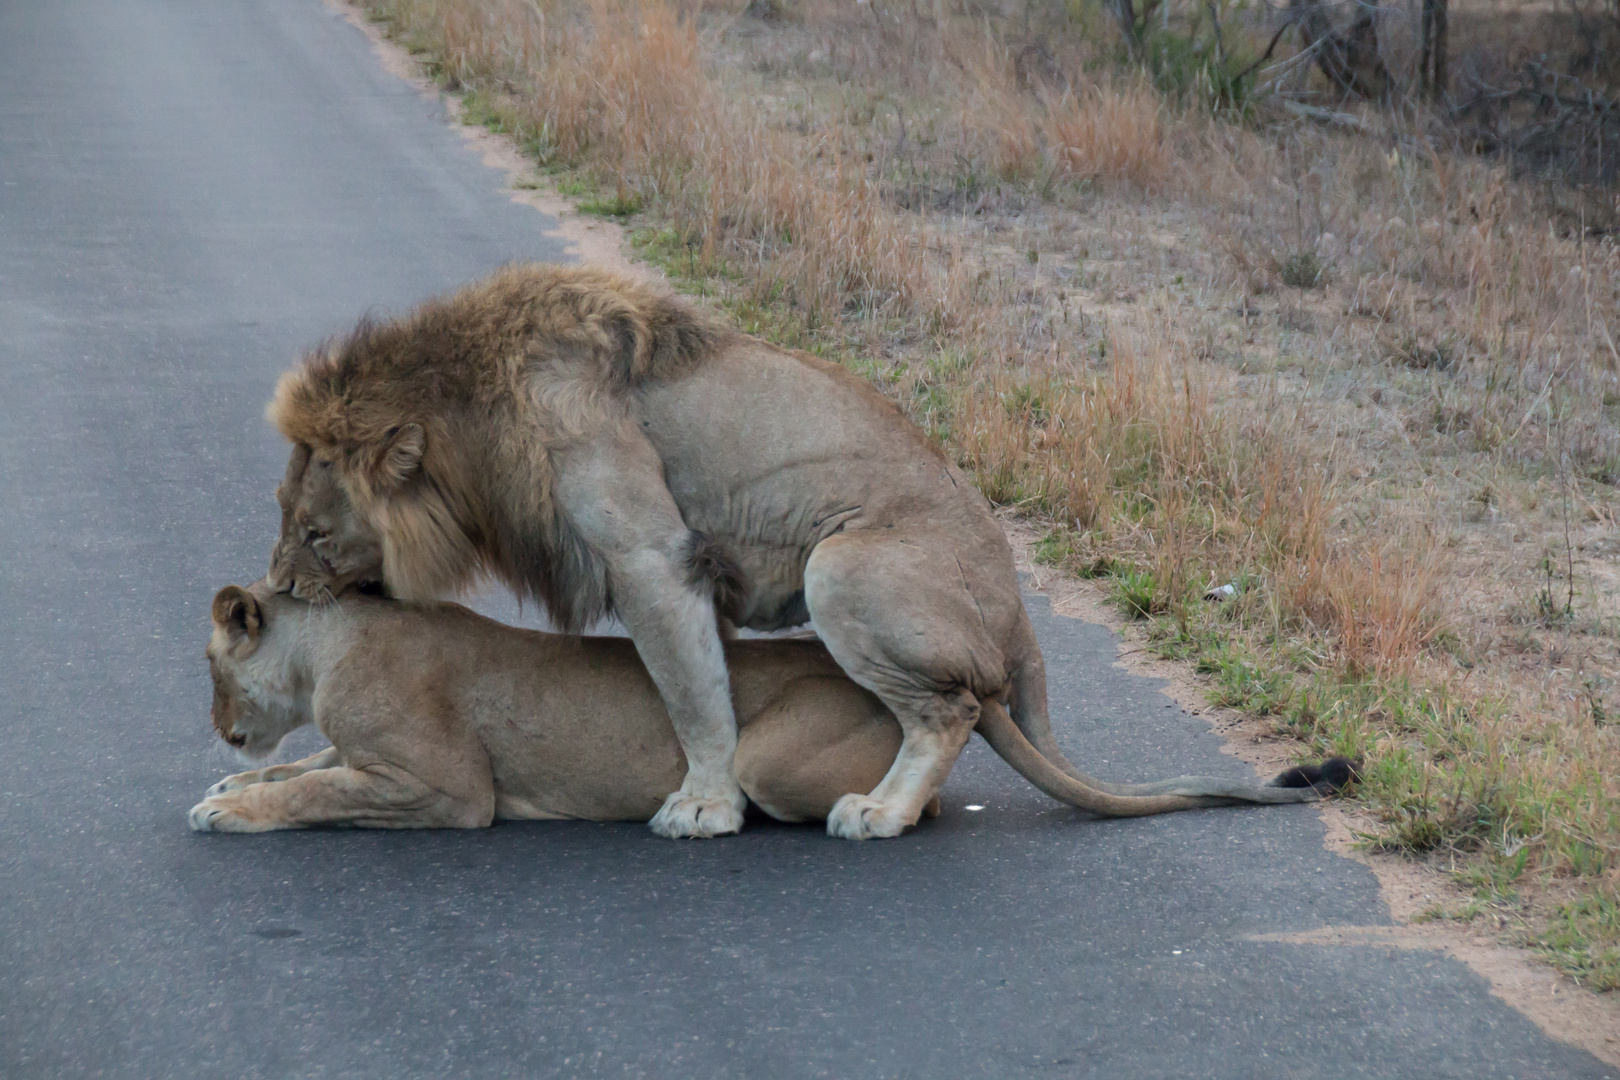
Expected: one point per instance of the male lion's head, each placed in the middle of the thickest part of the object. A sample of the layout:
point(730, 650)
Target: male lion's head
point(326, 545)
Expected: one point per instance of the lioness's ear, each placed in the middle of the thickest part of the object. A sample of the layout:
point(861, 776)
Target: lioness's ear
point(399, 457)
point(238, 614)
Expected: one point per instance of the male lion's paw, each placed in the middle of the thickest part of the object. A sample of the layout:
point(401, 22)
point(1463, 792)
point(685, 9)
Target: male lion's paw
point(685, 816)
point(861, 817)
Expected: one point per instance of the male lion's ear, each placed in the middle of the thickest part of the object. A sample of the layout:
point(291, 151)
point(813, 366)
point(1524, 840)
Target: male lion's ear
point(238, 614)
point(399, 457)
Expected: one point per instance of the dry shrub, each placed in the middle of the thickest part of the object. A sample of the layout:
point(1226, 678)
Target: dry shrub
point(1022, 125)
point(1143, 461)
point(993, 111)
point(1108, 132)
point(1382, 603)
point(1076, 445)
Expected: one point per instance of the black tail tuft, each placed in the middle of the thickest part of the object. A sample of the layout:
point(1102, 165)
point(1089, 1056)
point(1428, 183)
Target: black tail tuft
point(711, 568)
point(1334, 774)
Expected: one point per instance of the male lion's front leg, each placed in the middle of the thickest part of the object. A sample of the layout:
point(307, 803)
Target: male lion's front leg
point(678, 638)
point(614, 493)
point(274, 773)
point(379, 797)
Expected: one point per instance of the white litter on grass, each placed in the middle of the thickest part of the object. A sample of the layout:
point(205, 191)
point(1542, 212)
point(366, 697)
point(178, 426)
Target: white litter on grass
point(973, 806)
point(1221, 592)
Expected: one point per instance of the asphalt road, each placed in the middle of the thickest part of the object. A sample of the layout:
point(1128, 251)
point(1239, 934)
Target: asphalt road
point(194, 190)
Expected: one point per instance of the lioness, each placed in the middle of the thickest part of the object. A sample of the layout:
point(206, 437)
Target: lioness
point(440, 718)
point(603, 448)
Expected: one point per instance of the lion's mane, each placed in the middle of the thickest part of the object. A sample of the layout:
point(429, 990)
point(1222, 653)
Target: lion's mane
point(482, 387)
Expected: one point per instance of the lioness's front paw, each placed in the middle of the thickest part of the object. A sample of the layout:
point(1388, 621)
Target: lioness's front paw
point(237, 780)
point(861, 817)
point(223, 815)
point(684, 816)
point(209, 815)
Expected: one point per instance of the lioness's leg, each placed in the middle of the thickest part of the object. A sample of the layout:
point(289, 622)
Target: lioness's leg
point(820, 739)
point(380, 797)
point(614, 494)
point(899, 614)
point(323, 760)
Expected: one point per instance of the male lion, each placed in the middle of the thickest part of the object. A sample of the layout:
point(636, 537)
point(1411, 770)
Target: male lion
point(599, 446)
point(440, 718)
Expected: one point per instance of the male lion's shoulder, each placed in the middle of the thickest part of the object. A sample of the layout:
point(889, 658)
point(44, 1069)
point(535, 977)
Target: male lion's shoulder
point(875, 398)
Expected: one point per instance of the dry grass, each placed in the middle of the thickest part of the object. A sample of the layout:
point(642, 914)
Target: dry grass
point(1107, 133)
point(622, 86)
point(1372, 384)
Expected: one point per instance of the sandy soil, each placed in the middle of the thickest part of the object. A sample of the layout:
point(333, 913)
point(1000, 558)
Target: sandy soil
point(1559, 1007)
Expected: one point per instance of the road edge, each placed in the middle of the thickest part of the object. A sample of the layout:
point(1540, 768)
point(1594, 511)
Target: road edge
point(1561, 1008)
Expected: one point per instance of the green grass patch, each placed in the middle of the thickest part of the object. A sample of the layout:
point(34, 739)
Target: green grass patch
point(1301, 270)
point(578, 185)
point(1583, 939)
point(613, 206)
point(1136, 593)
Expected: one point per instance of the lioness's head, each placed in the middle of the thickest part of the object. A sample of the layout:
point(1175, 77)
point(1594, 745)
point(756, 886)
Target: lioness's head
point(325, 545)
point(257, 701)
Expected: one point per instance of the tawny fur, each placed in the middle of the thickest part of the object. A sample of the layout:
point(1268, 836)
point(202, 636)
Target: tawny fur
point(601, 447)
point(440, 718)
point(497, 376)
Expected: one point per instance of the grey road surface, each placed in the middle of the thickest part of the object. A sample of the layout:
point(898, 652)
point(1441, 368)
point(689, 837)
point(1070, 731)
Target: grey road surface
point(192, 191)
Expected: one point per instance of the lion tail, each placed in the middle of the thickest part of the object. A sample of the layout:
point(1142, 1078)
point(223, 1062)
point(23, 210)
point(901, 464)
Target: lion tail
point(1028, 705)
point(1161, 797)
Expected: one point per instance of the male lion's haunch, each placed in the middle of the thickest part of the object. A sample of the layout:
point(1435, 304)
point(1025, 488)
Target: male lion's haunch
point(603, 448)
point(440, 718)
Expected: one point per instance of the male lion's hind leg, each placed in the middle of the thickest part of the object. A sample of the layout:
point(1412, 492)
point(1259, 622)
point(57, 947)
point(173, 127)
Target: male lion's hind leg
point(897, 612)
point(934, 734)
point(274, 773)
point(375, 798)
